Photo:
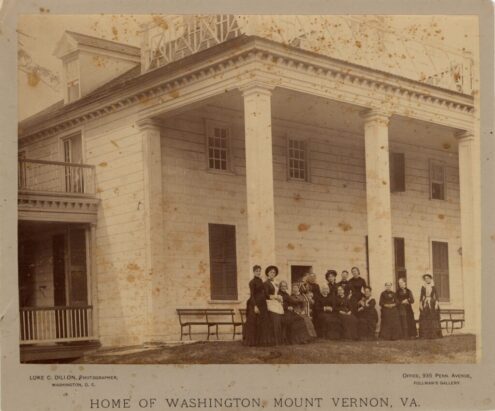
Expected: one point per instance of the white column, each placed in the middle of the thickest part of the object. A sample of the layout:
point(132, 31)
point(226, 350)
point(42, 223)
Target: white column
point(259, 175)
point(470, 243)
point(93, 281)
point(380, 245)
point(153, 212)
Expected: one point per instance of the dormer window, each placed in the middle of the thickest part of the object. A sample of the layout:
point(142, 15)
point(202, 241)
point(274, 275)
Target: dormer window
point(72, 74)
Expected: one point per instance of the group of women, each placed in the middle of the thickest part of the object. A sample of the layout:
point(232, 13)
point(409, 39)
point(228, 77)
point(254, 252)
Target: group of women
point(336, 310)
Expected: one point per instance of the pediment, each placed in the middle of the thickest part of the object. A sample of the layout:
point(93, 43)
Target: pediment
point(66, 45)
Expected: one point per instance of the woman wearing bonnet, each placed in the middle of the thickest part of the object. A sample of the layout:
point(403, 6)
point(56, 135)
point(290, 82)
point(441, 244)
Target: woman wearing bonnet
point(429, 310)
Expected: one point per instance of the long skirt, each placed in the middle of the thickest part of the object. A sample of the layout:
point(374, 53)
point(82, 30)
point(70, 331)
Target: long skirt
point(330, 326)
point(251, 329)
point(390, 328)
point(429, 323)
point(295, 330)
point(407, 322)
point(277, 330)
point(309, 325)
point(367, 327)
point(258, 329)
point(349, 326)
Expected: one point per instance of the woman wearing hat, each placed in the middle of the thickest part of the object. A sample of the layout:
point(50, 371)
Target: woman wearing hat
point(274, 305)
point(390, 322)
point(331, 277)
point(429, 310)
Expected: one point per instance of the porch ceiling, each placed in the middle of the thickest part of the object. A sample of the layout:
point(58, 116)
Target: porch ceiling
point(290, 106)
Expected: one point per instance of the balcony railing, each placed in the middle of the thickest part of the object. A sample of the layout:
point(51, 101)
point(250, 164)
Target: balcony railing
point(190, 35)
point(56, 324)
point(56, 177)
point(170, 38)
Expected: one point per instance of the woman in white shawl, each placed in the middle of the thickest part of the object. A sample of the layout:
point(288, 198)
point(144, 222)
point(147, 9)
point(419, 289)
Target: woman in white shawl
point(429, 310)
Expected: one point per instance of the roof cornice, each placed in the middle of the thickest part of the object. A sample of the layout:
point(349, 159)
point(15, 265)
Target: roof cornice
point(234, 53)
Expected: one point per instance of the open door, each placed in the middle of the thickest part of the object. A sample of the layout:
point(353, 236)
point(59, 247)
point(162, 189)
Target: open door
point(297, 272)
point(74, 177)
point(70, 283)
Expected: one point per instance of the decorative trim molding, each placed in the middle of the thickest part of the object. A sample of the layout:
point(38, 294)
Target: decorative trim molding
point(464, 136)
point(148, 123)
point(376, 115)
point(265, 52)
point(53, 208)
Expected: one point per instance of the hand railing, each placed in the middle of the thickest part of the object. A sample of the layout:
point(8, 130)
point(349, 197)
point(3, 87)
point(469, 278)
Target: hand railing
point(55, 177)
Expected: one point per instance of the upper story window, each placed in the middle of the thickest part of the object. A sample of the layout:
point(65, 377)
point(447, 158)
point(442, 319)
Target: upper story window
point(437, 181)
point(297, 159)
point(218, 146)
point(397, 172)
point(72, 78)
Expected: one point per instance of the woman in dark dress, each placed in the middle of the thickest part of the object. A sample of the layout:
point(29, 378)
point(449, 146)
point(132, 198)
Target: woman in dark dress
point(257, 328)
point(294, 325)
point(328, 319)
point(274, 305)
point(356, 285)
point(405, 300)
point(367, 316)
point(390, 323)
point(331, 277)
point(344, 282)
point(347, 318)
point(313, 286)
point(429, 310)
point(305, 307)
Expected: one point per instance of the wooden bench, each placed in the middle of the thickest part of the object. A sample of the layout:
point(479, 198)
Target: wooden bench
point(208, 317)
point(450, 319)
point(453, 318)
point(242, 313)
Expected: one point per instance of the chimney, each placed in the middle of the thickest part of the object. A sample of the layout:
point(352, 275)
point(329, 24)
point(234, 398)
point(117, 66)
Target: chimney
point(90, 62)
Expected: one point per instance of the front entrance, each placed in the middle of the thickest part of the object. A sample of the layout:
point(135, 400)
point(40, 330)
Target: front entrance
point(53, 282)
point(297, 272)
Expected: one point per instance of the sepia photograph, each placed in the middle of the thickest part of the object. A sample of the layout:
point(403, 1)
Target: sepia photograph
point(248, 189)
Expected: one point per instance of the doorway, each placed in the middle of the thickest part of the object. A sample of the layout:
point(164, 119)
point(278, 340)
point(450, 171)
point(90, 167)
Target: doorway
point(74, 177)
point(297, 272)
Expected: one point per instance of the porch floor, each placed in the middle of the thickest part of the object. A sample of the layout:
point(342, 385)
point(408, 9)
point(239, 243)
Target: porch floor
point(454, 349)
point(54, 353)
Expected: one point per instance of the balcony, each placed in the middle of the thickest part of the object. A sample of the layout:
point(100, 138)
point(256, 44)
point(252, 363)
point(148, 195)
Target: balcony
point(56, 191)
point(42, 176)
point(365, 40)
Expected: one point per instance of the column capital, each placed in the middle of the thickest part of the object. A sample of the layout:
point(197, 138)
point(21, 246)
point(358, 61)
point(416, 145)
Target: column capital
point(256, 87)
point(464, 136)
point(148, 123)
point(373, 114)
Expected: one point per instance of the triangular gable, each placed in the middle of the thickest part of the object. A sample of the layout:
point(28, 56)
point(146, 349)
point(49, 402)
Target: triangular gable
point(67, 44)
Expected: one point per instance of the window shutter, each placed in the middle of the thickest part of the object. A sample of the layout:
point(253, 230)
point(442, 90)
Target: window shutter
point(397, 172)
point(440, 256)
point(223, 262)
point(400, 259)
point(437, 181)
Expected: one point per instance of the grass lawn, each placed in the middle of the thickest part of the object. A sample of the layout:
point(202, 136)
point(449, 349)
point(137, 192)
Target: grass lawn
point(455, 349)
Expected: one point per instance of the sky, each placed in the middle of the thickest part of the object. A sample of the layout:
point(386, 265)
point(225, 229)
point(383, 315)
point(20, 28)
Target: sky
point(358, 39)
